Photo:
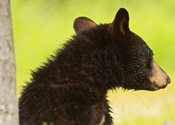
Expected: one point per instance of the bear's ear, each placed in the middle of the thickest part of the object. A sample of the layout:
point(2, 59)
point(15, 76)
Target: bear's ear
point(119, 27)
point(83, 23)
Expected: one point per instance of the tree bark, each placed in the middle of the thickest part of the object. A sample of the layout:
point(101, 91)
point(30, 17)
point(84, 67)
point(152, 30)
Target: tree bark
point(8, 99)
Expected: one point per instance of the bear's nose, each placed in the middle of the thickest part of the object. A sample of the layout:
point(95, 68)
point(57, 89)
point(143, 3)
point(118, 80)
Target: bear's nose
point(168, 79)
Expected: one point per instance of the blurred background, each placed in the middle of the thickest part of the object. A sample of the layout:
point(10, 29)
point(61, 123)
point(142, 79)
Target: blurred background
point(42, 26)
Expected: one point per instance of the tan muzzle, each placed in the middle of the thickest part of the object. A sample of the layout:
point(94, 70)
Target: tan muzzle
point(159, 78)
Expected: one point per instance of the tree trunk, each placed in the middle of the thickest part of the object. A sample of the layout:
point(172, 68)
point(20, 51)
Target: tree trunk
point(8, 99)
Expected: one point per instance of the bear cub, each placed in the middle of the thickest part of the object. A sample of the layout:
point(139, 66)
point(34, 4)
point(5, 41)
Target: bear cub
point(70, 89)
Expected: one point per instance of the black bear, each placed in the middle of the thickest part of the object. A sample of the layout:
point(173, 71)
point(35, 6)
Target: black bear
point(70, 89)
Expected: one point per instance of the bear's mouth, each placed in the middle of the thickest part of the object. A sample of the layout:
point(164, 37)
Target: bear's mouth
point(156, 87)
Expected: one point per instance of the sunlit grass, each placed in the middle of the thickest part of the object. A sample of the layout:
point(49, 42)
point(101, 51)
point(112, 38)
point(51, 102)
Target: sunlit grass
point(143, 107)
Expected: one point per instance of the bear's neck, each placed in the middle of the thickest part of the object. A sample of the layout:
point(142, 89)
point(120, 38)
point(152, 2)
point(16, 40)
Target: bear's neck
point(92, 66)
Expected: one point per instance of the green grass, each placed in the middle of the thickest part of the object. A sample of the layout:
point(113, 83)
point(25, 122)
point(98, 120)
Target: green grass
point(41, 26)
point(143, 107)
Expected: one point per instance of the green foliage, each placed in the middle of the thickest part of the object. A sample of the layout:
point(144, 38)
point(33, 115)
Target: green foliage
point(41, 26)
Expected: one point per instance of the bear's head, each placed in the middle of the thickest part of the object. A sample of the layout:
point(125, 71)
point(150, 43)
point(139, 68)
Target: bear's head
point(130, 55)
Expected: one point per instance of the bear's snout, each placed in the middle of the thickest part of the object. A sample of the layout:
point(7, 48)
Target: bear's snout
point(159, 78)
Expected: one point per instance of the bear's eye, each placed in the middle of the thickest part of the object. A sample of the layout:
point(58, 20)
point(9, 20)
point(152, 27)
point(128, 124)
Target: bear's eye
point(149, 59)
point(150, 54)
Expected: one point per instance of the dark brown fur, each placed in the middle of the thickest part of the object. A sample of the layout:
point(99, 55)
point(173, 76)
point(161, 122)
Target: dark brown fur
point(70, 89)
